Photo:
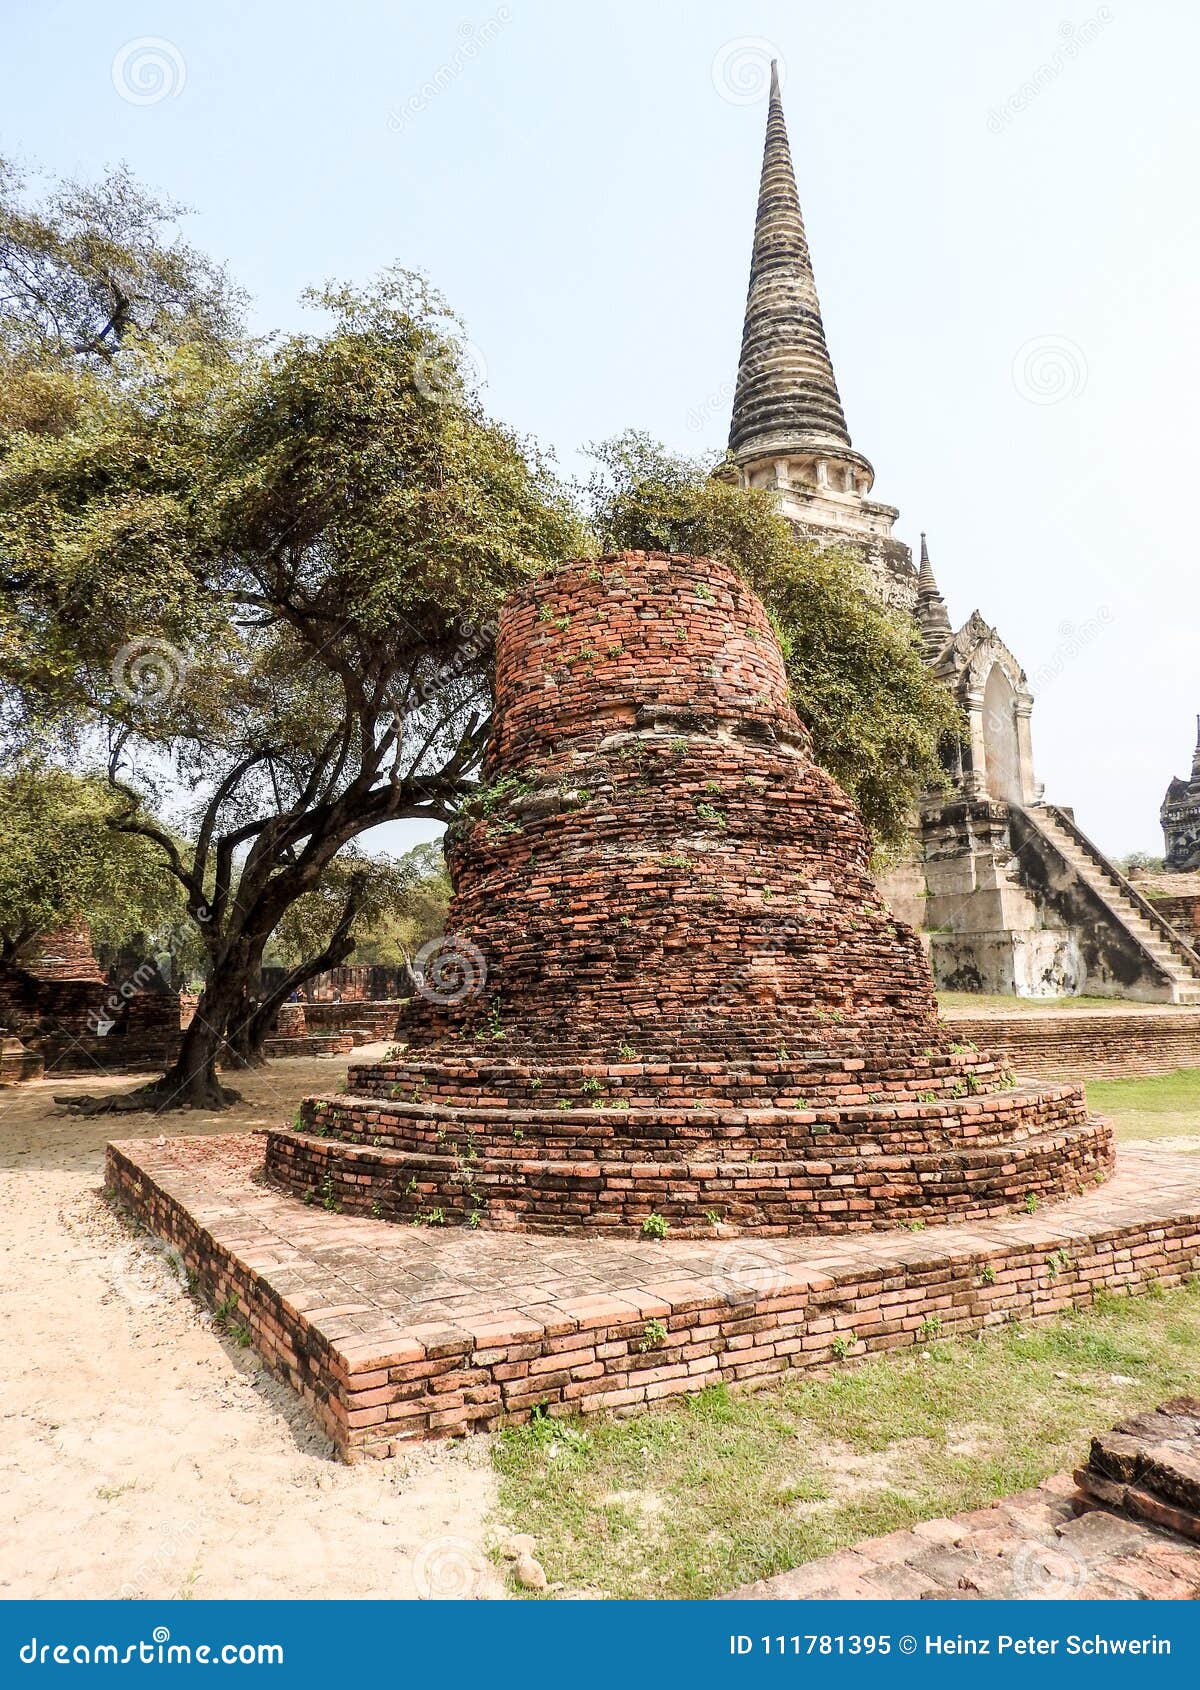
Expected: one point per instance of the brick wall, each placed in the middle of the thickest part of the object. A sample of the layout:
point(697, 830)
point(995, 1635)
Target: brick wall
point(376, 1018)
point(1079, 1046)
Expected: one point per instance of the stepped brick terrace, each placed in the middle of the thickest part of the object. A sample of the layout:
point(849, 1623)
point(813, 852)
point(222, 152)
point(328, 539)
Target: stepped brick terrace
point(671, 1011)
point(398, 1332)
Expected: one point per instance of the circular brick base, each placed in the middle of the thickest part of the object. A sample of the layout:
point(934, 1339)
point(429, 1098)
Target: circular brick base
point(531, 1184)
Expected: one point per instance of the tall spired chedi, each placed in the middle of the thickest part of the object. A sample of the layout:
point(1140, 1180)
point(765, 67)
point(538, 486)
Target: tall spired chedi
point(788, 430)
point(670, 992)
point(1010, 894)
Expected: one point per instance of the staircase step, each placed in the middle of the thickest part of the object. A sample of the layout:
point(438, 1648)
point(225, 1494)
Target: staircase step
point(1168, 954)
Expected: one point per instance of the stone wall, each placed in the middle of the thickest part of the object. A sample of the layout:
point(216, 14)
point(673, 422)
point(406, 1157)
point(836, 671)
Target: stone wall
point(1182, 912)
point(358, 982)
point(377, 1019)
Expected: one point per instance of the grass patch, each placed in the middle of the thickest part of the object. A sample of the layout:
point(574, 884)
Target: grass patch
point(724, 1488)
point(1150, 1105)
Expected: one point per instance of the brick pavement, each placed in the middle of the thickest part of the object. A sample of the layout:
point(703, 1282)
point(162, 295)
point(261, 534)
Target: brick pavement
point(394, 1332)
point(1041, 1544)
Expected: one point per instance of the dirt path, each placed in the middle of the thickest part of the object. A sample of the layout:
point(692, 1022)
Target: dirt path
point(142, 1454)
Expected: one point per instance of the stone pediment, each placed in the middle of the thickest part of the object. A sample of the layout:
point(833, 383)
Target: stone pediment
point(975, 650)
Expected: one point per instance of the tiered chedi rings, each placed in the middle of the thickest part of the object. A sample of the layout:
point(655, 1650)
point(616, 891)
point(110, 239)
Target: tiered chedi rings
point(669, 986)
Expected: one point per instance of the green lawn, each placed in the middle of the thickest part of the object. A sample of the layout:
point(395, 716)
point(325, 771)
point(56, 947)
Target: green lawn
point(725, 1488)
point(1154, 1106)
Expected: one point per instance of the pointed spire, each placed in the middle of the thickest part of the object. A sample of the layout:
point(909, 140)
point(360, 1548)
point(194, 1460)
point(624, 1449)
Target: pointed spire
point(1196, 753)
point(786, 392)
point(932, 615)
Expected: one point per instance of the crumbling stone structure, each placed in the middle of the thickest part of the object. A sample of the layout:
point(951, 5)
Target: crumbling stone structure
point(63, 1005)
point(671, 992)
point(1180, 816)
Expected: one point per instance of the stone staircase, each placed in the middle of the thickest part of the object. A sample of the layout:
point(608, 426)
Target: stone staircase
point(1169, 952)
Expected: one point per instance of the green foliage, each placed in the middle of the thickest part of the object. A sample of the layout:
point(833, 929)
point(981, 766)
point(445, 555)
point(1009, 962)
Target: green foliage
point(878, 717)
point(269, 578)
point(400, 902)
point(1150, 1105)
point(90, 265)
point(654, 1336)
point(61, 861)
point(1137, 860)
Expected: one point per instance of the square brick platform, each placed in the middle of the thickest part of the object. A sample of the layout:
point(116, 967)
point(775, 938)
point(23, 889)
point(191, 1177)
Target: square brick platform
point(399, 1332)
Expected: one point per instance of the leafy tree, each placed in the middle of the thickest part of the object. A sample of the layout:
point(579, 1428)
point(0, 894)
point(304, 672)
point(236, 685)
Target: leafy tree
point(90, 264)
point(397, 934)
point(1139, 861)
point(61, 861)
point(878, 717)
point(267, 583)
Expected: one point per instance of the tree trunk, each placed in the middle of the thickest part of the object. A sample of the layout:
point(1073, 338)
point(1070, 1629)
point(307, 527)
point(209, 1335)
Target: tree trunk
point(256, 1024)
point(191, 1081)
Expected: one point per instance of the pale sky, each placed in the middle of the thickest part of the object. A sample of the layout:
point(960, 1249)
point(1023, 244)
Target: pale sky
point(1000, 200)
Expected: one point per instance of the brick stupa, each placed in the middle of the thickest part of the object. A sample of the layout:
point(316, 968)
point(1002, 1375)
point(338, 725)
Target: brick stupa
point(670, 990)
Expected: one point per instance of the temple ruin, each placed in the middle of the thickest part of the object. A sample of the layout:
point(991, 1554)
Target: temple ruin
point(1007, 891)
point(1180, 817)
point(671, 996)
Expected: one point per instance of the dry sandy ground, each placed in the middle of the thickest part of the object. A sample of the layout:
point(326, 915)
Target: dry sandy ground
point(142, 1454)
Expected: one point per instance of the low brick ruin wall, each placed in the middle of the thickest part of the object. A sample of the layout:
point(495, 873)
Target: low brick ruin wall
point(1079, 1046)
point(630, 1348)
point(377, 1018)
point(1183, 913)
point(17, 1062)
point(308, 1044)
point(112, 1055)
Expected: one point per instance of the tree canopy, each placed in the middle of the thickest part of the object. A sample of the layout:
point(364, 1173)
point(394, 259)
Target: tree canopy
point(267, 583)
point(89, 264)
point(61, 861)
point(878, 717)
